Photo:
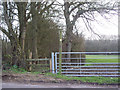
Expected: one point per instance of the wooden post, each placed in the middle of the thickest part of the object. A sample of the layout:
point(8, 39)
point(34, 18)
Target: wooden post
point(30, 68)
point(60, 51)
point(30, 63)
point(50, 65)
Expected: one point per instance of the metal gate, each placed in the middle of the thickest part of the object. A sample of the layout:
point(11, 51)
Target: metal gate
point(87, 64)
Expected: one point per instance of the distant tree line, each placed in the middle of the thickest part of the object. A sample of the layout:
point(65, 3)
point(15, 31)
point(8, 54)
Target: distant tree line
point(101, 45)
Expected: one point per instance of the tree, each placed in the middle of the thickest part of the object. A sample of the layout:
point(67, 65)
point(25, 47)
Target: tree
point(38, 10)
point(47, 37)
point(16, 16)
point(85, 10)
point(35, 29)
point(15, 12)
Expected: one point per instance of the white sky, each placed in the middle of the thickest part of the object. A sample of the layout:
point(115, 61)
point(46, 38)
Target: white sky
point(103, 27)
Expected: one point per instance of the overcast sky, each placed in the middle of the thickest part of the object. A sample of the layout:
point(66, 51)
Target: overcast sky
point(102, 27)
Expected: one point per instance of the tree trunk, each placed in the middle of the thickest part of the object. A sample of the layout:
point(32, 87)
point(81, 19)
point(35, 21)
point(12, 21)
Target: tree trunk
point(22, 29)
point(69, 42)
point(22, 44)
point(69, 28)
point(34, 19)
point(15, 52)
point(34, 49)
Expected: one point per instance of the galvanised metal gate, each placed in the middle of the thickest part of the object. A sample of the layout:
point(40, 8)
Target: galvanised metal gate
point(87, 63)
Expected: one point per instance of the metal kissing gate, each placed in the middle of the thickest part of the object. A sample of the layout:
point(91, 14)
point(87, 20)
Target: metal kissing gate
point(87, 64)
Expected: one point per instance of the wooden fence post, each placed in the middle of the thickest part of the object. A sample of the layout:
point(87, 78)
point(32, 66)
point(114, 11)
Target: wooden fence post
point(50, 65)
point(60, 51)
point(30, 63)
point(30, 68)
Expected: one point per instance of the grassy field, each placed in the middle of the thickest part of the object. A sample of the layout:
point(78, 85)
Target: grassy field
point(101, 58)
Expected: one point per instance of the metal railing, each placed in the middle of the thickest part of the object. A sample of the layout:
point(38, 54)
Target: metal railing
point(96, 64)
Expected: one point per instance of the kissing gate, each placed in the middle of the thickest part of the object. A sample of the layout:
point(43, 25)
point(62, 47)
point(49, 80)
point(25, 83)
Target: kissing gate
point(87, 63)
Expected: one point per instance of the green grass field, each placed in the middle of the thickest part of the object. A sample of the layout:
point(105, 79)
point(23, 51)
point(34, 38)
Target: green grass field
point(102, 59)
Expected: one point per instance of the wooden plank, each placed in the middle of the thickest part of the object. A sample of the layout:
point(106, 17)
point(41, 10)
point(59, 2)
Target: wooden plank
point(42, 59)
point(45, 65)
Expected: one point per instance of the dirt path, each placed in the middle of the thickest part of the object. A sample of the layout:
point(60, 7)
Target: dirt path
point(42, 81)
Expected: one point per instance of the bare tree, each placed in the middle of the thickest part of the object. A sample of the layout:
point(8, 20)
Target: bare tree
point(16, 16)
point(85, 10)
point(15, 12)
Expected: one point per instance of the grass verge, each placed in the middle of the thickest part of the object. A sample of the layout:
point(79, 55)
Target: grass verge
point(97, 80)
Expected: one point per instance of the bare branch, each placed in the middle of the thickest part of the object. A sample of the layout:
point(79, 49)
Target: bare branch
point(89, 28)
point(78, 5)
point(5, 32)
point(46, 8)
point(7, 20)
point(80, 12)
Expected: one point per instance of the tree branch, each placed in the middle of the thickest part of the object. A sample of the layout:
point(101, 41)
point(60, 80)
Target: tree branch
point(5, 32)
point(89, 28)
point(80, 12)
point(46, 8)
point(75, 7)
point(7, 20)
